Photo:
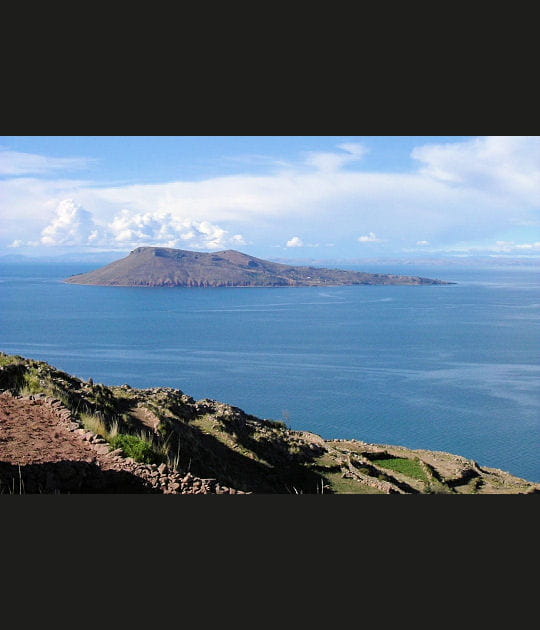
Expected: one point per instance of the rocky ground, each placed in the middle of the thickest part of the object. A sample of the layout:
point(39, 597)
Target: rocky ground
point(43, 449)
point(59, 433)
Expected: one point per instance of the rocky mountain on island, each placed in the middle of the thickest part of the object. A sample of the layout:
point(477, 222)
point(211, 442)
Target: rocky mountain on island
point(166, 267)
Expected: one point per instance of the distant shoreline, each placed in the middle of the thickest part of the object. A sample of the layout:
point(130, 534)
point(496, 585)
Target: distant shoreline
point(253, 286)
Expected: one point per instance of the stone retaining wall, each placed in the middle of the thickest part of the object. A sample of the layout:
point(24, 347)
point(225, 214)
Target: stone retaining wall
point(112, 471)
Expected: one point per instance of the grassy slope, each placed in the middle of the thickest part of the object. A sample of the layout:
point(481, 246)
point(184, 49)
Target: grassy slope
point(215, 440)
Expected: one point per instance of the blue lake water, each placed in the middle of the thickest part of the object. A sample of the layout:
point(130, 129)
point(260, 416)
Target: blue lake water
point(451, 368)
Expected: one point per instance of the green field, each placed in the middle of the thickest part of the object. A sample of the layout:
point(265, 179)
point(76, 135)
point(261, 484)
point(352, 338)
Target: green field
point(405, 466)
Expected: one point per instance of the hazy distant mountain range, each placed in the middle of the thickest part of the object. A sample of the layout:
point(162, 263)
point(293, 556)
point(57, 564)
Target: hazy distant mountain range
point(461, 261)
point(90, 257)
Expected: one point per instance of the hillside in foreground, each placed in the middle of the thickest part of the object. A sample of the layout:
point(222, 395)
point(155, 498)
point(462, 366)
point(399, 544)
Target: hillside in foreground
point(165, 267)
point(59, 433)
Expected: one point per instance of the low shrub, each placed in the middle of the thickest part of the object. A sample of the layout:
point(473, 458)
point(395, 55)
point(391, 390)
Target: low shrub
point(138, 448)
point(32, 384)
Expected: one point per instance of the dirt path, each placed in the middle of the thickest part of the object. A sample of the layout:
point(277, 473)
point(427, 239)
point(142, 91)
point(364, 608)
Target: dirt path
point(31, 433)
point(43, 449)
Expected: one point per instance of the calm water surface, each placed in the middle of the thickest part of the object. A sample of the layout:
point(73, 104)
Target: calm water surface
point(452, 368)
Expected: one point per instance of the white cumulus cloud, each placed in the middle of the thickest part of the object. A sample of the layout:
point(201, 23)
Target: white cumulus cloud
point(295, 241)
point(167, 230)
point(369, 238)
point(71, 225)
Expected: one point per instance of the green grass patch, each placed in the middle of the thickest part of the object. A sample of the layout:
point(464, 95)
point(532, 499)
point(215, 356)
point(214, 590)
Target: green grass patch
point(31, 385)
point(142, 448)
point(138, 448)
point(7, 359)
point(409, 467)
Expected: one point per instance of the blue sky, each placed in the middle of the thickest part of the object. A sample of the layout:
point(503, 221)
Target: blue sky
point(272, 196)
point(134, 159)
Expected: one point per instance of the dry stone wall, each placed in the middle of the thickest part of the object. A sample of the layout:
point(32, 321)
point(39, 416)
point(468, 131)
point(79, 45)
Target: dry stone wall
point(110, 472)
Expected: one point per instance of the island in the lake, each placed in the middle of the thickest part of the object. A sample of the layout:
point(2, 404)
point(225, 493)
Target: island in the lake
point(167, 267)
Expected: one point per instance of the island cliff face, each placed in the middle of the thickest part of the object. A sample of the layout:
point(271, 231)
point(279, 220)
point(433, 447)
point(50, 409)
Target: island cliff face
point(166, 267)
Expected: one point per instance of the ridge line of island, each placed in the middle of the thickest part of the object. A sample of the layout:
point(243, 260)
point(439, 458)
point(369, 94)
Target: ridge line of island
point(168, 267)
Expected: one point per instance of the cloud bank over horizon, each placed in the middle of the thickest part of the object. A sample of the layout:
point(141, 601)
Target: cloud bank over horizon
point(73, 226)
point(479, 195)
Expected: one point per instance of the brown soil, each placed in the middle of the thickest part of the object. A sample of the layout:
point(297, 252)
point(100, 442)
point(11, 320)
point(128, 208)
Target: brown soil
point(31, 433)
point(43, 449)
